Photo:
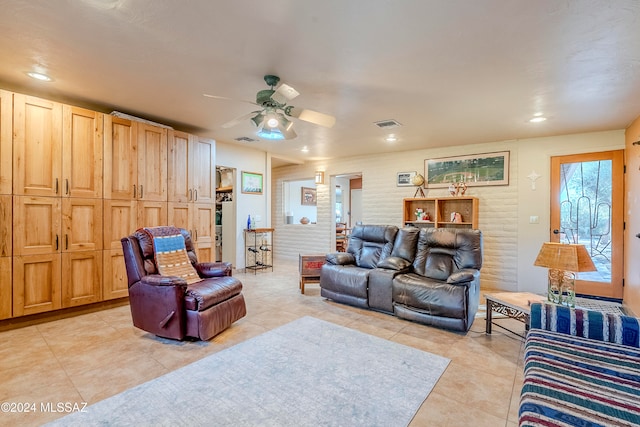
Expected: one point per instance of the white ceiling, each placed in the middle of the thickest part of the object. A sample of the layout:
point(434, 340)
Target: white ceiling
point(451, 71)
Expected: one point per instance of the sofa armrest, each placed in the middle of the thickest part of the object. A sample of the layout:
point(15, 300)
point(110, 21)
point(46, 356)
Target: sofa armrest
point(158, 280)
point(213, 269)
point(340, 258)
point(465, 275)
point(607, 327)
point(394, 263)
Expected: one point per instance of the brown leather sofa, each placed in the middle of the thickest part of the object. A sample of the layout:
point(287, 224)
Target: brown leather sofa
point(443, 288)
point(430, 276)
point(166, 306)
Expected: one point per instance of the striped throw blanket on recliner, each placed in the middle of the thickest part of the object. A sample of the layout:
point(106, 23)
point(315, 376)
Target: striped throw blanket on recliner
point(582, 368)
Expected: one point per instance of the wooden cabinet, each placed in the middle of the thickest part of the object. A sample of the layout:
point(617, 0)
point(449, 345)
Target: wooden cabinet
point(199, 219)
point(37, 146)
point(81, 225)
point(36, 225)
point(115, 282)
point(81, 278)
point(6, 294)
point(120, 220)
point(6, 142)
point(6, 226)
point(120, 158)
point(152, 163)
point(440, 210)
point(191, 168)
point(36, 284)
point(82, 151)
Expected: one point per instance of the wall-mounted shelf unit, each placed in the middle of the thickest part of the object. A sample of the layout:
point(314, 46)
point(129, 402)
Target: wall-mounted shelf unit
point(440, 210)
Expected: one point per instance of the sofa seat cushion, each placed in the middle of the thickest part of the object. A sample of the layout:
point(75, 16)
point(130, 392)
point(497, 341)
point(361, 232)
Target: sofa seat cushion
point(208, 292)
point(429, 296)
point(345, 279)
point(571, 380)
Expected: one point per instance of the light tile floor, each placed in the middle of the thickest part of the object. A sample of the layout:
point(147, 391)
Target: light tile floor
point(89, 357)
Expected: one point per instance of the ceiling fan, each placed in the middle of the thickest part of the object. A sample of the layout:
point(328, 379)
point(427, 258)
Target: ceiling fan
point(272, 120)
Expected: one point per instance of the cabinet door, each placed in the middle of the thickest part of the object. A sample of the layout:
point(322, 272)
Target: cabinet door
point(120, 158)
point(36, 225)
point(180, 171)
point(152, 214)
point(5, 288)
point(81, 278)
point(37, 146)
point(115, 284)
point(181, 215)
point(82, 151)
point(6, 136)
point(204, 233)
point(6, 226)
point(204, 171)
point(152, 163)
point(81, 225)
point(36, 284)
point(120, 220)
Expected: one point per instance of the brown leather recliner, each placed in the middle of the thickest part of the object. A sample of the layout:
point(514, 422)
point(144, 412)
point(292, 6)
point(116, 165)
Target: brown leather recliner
point(167, 306)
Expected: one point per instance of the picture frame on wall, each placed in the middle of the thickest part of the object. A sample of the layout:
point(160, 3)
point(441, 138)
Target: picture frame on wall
point(308, 197)
point(474, 170)
point(404, 179)
point(251, 183)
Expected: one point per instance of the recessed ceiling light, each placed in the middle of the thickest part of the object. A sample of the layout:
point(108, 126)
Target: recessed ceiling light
point(391, 138)
point(39, 76)
point(304, 149)
point(537, 119)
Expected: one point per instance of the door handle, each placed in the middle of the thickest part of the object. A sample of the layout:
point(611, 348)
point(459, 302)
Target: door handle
point(190, 194)
point(66, 241)
point(56, 186)
point(195, 192)
point(66, 186)
point(141, 191)
point(56, 241)
point(556, 231)
point(134, 191)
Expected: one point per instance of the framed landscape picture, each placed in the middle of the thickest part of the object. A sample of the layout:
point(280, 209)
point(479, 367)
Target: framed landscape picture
point(251, 182)
point(474, 170)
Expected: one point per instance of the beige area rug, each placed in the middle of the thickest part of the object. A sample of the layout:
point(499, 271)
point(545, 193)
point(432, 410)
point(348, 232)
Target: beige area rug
point(306, 373)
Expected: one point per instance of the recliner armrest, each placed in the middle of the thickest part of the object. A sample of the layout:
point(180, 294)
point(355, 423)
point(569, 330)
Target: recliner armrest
point(213, 269)
point(158, 280)
point(340, 258)
point(463, 276)
point(394, 263)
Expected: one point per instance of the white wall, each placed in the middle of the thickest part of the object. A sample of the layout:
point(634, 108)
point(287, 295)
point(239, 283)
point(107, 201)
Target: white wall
point(256, 205)
point(293, 198)
point(510, 242)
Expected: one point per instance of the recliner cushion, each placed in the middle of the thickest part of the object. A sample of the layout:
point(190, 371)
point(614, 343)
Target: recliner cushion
point(208, 292)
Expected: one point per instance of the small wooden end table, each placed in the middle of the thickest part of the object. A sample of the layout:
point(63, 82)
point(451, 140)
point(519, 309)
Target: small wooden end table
point(310, 266)
point(514, 305)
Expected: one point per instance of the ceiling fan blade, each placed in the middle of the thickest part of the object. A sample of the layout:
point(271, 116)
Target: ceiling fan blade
point(228, 99)
point(313, 117)
point(284, 94)
point(239, 120)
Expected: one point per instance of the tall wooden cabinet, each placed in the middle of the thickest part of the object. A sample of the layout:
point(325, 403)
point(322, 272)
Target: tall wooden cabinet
point(73, 182)
point(192, 190)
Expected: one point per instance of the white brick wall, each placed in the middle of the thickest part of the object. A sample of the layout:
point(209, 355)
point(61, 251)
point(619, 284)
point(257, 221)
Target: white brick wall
point(382, 204)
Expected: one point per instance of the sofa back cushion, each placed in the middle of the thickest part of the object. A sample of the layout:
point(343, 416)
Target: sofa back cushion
point(370, 244)
point(443, 251)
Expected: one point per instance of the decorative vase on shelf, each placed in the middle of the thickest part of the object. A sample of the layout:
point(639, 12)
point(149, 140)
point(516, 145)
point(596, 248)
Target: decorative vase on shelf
point(304, 220)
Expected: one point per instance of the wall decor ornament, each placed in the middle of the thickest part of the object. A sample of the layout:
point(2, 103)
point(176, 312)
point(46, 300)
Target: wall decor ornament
point(473, 170)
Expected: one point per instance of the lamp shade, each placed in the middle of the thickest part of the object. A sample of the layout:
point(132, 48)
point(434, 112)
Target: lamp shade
point(564, 257)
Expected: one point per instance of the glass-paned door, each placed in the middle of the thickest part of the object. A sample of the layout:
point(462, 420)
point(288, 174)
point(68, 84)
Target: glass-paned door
point(587, 208)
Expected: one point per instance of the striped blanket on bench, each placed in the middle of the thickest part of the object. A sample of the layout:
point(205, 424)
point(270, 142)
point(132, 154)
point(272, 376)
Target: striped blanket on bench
point(571, 380)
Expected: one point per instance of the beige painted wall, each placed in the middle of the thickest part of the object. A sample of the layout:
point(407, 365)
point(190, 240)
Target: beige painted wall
point(510, 242)
point(632, 217)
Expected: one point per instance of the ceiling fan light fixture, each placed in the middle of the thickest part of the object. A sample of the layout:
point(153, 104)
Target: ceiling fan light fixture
point(272, 134)
point(272, 122)
point(258, 119)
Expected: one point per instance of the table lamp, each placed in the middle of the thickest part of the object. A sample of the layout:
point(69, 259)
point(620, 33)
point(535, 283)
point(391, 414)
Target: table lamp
point(563, 261)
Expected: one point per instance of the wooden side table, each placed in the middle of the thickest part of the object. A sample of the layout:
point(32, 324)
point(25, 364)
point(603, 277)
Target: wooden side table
point(310, 266)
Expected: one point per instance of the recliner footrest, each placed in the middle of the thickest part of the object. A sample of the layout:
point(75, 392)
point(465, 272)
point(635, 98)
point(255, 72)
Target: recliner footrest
point(208, 292)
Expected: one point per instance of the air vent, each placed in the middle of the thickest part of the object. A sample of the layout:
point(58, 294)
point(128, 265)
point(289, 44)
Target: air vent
point(245, 139)
point(387, 124)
